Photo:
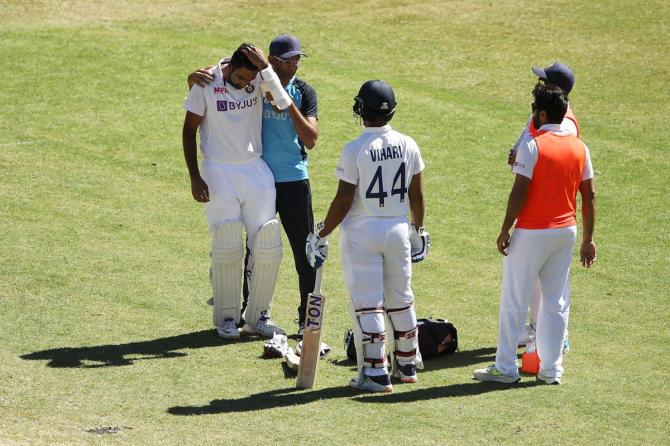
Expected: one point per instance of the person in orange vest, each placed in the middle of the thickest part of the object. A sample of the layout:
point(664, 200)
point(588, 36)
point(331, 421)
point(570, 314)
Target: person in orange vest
point(549, 169)
point(562, 76)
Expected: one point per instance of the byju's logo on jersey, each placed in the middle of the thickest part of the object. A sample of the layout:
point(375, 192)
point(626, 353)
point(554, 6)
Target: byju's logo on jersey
point(223, 106)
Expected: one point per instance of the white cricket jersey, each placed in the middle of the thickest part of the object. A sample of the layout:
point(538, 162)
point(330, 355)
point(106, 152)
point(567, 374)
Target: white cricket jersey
point(230, 131)
point(381, 162)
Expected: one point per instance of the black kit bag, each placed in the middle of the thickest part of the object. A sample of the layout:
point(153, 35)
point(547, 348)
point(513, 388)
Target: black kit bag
point(437, 337)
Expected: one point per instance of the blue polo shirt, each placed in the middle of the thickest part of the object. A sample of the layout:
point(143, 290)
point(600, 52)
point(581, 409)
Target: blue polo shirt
point(283, 151)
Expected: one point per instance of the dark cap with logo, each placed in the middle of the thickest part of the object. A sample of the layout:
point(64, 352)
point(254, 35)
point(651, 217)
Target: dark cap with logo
point(285, 46)
point(557, 74)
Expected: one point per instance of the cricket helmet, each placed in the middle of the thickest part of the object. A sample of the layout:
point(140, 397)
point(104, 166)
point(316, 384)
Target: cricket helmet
point(375, 99)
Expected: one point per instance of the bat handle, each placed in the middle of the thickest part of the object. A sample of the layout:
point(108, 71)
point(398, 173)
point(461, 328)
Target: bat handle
point(319, 281)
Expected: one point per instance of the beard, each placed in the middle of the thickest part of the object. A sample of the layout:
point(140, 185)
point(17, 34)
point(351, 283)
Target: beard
point(536, 120)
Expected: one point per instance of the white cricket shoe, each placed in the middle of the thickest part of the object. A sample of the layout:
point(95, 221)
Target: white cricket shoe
point(381, 383)
point(228, 330)
point(264, 327)
point(545, 380)
point(492, 374)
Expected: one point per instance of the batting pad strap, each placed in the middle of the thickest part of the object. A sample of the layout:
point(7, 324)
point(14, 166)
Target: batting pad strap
point(370, 310)
point(410, 334)
point(375, 363)
point(373, 338)
point(392, 311)
point(405, 355)
point(279, 95)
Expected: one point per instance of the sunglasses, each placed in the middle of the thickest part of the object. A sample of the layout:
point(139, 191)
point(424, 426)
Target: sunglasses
point(293, 63)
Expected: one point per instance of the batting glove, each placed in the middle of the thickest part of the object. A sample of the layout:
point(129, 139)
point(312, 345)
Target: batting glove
point(316, 249)
point(419, 239)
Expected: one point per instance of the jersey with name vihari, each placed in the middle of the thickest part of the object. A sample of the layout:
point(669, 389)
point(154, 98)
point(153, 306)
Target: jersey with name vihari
point(381, 162)
point(230, 131)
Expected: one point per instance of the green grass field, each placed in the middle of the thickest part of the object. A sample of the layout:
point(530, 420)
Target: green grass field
point(105, 337)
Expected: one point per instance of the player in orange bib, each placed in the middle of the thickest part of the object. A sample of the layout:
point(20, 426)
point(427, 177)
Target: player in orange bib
point(550, 169)
point(560, 75)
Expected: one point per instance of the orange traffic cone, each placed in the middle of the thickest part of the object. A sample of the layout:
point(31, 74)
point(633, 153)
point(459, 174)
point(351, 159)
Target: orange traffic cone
point(530, 362)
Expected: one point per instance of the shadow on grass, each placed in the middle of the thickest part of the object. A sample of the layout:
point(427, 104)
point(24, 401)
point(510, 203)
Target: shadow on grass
point(289, 396)
point(114, 355)
point(459, 359)
point(450, 391)
point(292, 397)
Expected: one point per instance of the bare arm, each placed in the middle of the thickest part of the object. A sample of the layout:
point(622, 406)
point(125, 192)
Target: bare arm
point(417, 206)
point(339, 207)
point(587, 252)
point(199, 188)
point(200, 77)
point(517, 198)
point(305, 127)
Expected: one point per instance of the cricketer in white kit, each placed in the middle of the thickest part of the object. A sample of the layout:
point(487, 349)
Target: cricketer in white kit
point(236, 186)
point(380, 176)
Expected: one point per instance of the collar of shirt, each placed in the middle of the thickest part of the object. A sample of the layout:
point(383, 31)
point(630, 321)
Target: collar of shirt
point(382, 129)
point(553, 128)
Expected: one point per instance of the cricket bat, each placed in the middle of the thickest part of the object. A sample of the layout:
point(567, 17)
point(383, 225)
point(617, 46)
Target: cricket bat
point(311, 339)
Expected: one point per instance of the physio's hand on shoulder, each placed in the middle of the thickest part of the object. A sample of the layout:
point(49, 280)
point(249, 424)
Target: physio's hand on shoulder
point(587, 254)
point(199, 189)
point(419, 241)
point(316, 249)
point(256, 57)
point(503, 242)
point(201, 77)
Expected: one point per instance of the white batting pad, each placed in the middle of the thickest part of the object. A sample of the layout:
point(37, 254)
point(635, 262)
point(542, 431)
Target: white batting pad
point(280, 97)
point(226, 271)
point(267, 253)
point(373, 337)
point(405, 334)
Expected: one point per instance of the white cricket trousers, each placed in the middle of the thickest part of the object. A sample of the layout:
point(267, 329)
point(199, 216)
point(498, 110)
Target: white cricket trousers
point(533, 255)
point(376, 261)
point(243, 191)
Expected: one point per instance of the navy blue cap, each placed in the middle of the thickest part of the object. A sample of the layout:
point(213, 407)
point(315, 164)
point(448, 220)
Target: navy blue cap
point(285, 46)
point(557, 74)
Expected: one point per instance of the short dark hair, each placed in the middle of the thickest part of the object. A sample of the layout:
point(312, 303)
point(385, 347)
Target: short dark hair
point(551, 99)
point(239, 60)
